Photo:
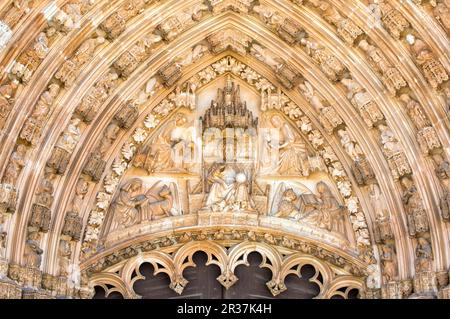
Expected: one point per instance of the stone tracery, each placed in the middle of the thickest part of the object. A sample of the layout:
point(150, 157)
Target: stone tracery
point(420, 214)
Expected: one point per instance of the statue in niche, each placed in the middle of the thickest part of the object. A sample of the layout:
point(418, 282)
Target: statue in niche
point(71, 136)
point(424, 255)
point(3, 235)
point(229, 190)
point(34, 124)
point(292, 153)
point(442, 166)
point(445, 201)
point(81, 190)
point(7, 95)
point(383, 229)
point(351, 148)
point(64, 254)
point(16, 162)
point(417, 217)
point(172, 147)
point(389, 261)
point(32, 254)
point(95, 164)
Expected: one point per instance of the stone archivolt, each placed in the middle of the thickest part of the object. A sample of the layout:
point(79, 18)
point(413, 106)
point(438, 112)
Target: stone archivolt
point(408, 156)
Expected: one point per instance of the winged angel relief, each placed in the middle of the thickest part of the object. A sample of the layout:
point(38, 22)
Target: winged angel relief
point(227, 161)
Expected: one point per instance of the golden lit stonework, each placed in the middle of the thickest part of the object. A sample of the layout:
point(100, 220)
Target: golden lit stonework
point(235, 141)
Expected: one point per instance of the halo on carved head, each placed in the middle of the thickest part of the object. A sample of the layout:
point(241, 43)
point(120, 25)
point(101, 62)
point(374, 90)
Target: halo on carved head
point(134, 183)
point(322, 188)
point(276, 120)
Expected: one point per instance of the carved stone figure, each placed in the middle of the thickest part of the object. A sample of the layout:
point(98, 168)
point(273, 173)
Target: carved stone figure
point(428, 140)
point(287, 207)
point(71, 136)
point(159, 205)
point(131, 59)
point(417, 217)
point(64, 147)
point(442, 166)
point(64, 254)
point(17, 10)
point(16, 163)
point(241, 6)
point(362, 171)
point(7, 94)
point(329, 118)
point(31, 130)
point(2, 247)
point(124, 209)
point(229, 190)
point(68, 17)
point(32, 254)
point(351, 148)
point(392, 78)
point(96, 95)
point(127, 115)
point(383, 230)
point(292, 153)
point(28, 61)
point(415, 112)
point(445, 201)
point(173, 146)
point(346, 28)
point(327, 212)
point(95, 164)
point(192, 55)
point(8, 193)
point(442, 13)
point(368, 109)
point(389, 261)
point(432, 68)
point(229, 39)
point(392, 149)
point(287, 29)
point(390, 143)
point(71, 68)
point(424, 255)
point(394, 22)
point(41, 213)
point(73, 225)
point(80, 191)
point(172, 26)
point(115, 24)
point(265, 56)
point(329, 64)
